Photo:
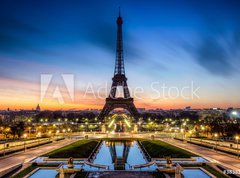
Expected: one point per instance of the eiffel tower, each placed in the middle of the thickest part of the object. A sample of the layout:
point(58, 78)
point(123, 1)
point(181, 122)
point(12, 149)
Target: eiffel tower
point(119, 79)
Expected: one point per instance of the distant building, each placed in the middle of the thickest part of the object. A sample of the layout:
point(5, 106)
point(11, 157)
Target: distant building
point(141, 110)
point(188, 108)
point(1, 117)
point(38, 108)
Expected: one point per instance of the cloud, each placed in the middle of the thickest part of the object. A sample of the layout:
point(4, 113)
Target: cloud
point(17, 36)
point(11, 24)
point(212, 56)
point(104, 35)
point(217, 46)
point(101, 34)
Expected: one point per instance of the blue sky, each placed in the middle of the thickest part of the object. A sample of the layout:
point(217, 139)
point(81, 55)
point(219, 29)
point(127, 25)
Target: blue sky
point(171, 42)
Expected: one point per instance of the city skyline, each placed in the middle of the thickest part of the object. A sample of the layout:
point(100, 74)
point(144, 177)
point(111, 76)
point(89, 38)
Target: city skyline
point(197, 44)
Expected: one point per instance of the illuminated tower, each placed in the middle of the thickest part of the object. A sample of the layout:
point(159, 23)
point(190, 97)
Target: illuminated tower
point(119, 79)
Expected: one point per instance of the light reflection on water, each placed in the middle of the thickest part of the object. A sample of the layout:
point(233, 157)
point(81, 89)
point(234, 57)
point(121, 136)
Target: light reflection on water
point(190, 173)
point(50, 173)
point(133, 154)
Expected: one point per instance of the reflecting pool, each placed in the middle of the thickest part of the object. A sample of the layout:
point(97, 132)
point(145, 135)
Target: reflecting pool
point(122, 155)
point(110, 151)
point(192, 172)
point(40, 173)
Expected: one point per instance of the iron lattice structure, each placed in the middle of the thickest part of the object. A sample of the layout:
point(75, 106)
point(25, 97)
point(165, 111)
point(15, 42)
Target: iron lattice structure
point(119, 79)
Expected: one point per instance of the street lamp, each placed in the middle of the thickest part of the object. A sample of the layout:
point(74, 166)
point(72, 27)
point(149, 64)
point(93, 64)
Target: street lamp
point(183, 134)
point(4, 146)
point(175, 131)
point(203, 128)
point(39, 135)
point(57, 133)
point(29, 129)
point(216, 136)
point(190, 135)
point(86, 123)
point(24, 136)
point(1, 128)
point(50, 132)
point(64, 133)
point(69, 130)
point(237, 138)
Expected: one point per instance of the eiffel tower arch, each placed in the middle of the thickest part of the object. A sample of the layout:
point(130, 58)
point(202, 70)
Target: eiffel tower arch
point(119, 79)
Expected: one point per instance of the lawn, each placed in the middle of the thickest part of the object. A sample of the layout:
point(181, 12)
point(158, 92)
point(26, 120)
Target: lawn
point(159, 149)
point(80, 149)
point(214, 171)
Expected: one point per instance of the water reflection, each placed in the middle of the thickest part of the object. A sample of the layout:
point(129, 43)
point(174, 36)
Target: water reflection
point(120, 154)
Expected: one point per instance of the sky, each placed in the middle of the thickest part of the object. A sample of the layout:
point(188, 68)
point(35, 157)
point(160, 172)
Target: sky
point(61, 54)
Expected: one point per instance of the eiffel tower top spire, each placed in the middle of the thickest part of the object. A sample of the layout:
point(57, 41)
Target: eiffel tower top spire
point(119, 12)
point(119, 64)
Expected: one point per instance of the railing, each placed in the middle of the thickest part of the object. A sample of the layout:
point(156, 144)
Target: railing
point(95, 151)
point(146, 154)
point(96, 165)
point(144, 165)
point(11, 150)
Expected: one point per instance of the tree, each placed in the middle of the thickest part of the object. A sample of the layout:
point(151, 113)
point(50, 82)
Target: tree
point(17, 129)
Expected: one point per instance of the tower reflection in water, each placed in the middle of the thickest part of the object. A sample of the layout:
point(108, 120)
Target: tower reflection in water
point(120, 155)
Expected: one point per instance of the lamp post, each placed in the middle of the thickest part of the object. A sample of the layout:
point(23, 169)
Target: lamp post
point(216, 136)
point(86, 123)
point(1, 128)
point(69, 132)
point(175, 131)
point(25, 136)
point(39, 135)
point(139, 124)
point(29, 129)
point(190, 135)
point(237, 138)
point(64, 133)
point(50, 134)
point(4, 146)
point(57, 133)
point(203, 128)
point(182, 130)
